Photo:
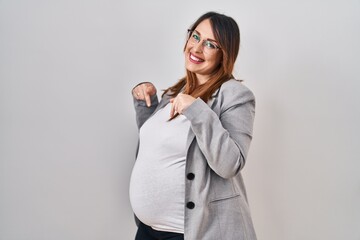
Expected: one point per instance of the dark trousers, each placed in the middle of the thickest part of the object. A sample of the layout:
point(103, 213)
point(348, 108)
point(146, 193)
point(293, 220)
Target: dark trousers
point(145, 232)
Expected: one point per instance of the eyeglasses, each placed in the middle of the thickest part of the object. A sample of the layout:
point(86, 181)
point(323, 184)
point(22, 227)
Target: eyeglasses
point(209, 46)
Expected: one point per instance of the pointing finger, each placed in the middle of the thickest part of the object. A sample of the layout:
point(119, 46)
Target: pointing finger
point(147, 99)
point(146, 95)
point(172, 110)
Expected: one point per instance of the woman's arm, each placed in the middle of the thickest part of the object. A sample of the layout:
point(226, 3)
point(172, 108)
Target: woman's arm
point(145, 101)
point(224, 140)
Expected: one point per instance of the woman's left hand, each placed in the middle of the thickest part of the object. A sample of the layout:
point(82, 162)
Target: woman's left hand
point(180, 103)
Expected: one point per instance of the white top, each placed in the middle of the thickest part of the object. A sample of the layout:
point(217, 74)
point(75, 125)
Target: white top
point(157, 185)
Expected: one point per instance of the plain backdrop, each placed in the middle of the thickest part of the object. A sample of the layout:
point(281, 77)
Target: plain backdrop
point(67, 125)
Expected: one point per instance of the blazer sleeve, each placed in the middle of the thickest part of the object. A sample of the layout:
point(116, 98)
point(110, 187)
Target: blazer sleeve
point(142, 111)
point(224, 139)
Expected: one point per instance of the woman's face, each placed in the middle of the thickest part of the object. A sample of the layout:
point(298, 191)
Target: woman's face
point(200, 59)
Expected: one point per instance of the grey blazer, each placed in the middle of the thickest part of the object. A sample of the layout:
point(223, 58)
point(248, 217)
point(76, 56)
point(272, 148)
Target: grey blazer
point(216, 205)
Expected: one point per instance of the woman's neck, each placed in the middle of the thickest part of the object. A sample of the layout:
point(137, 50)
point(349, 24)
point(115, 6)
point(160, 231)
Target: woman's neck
point(201, 79)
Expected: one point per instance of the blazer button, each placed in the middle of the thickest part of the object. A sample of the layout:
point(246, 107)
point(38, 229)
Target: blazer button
point(190, 176)
point(190, 205)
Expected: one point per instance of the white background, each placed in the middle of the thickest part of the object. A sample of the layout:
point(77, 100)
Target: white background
point(67, 126)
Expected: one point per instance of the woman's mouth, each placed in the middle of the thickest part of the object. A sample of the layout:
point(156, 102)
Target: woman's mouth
point(195, 59)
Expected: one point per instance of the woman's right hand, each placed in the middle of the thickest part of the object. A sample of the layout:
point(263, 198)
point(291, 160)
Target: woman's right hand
point(144, 91)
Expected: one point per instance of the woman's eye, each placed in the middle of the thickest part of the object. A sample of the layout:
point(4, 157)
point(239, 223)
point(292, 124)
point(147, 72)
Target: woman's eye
point(210, 45)
point(196, 37)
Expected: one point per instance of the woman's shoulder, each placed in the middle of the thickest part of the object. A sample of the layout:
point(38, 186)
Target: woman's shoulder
point(236, 89)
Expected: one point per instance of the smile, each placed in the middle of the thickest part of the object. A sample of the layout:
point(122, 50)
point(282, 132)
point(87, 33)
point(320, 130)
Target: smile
point(194, 59)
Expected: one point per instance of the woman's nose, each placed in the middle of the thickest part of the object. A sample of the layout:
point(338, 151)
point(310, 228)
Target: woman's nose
point(198, 47)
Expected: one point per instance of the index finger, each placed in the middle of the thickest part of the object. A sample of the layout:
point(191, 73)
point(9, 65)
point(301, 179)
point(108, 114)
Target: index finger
point(146, 94)
point(147, 98)
point(172, 110)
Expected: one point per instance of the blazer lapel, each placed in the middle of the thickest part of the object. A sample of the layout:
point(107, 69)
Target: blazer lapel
point(212, 101)
point(164, 100)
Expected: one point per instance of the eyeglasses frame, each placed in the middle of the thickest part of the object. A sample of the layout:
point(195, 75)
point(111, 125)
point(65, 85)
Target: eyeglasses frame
point(189, 34)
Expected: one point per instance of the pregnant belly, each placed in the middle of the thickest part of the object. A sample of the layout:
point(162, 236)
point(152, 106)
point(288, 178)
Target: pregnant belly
point(157, 193)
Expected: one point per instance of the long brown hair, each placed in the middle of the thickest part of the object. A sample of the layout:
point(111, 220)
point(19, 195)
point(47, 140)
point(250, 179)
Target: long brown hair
point(227, 34)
